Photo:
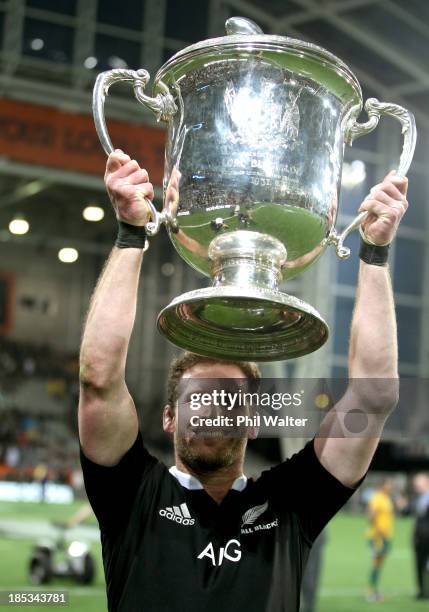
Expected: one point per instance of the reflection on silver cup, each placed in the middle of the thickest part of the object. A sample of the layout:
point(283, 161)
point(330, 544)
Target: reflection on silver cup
point(257, 126)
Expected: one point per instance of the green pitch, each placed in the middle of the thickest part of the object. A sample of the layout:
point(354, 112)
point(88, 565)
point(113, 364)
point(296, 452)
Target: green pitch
point(15, 551)
point(346, 569)
point(343, 580)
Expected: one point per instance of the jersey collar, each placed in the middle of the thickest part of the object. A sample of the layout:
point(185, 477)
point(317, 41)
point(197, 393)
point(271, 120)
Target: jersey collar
point(190, 482)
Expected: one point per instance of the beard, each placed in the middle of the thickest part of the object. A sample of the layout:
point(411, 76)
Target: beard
point(202, 455)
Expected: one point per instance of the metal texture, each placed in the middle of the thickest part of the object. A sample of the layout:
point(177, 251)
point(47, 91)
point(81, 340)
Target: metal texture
point(245, 323)
point(162, 105)
point(255, 146)
point(303, 58)
point(375, 110)
point(240, 25)
point(253, 164)
point(251, 185)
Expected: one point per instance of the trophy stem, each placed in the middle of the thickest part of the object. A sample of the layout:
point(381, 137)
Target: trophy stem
point(244, 315)
point(247, 259)
point(245, 273)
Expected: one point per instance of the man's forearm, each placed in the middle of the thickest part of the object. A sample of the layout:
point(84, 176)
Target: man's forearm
point(108, 422)
point(373, 342)
point(110, 319)
point(350, 431)
point(349, 434)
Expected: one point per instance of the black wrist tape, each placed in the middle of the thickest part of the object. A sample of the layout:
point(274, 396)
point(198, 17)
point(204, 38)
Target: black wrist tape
point(130, 236)
point(373, 254)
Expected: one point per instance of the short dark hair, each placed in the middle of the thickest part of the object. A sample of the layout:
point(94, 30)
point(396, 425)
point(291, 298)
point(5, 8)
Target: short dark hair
point(187, 360)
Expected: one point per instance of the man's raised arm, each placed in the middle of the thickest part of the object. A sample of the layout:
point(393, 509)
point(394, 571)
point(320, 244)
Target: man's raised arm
point(350, 433)
point(108, 423)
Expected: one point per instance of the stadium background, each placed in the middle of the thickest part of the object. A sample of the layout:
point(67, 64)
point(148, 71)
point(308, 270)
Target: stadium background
point(51, 168)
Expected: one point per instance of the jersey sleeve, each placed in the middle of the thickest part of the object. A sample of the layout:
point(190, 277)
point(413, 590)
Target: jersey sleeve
point(302, 485)
point(111, 490)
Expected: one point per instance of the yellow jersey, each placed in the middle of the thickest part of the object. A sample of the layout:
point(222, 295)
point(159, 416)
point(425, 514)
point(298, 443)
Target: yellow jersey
point(383, 515)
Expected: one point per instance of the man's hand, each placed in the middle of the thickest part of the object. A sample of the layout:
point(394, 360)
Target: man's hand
point(128, 187)
point(386, 204)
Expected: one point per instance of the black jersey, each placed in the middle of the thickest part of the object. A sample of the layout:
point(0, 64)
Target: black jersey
point(421, 528)
point(169, 548)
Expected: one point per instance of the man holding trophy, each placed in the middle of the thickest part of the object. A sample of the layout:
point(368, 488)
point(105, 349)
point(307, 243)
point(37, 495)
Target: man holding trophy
point(201, 536)
point(155, 563)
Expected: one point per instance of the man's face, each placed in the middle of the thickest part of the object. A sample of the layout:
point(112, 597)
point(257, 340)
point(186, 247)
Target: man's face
point(212, 448)
point(388, 486)
point(421, 483)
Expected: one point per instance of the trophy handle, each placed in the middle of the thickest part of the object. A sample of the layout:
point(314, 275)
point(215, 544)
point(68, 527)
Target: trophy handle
point(162, 105)
point(353, 130)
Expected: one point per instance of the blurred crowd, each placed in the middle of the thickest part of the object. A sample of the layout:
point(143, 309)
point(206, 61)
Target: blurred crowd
point(37, 445)
point(18, 360)
point(37, 448)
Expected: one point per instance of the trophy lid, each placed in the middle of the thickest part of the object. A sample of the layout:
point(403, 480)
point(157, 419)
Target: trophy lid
point(245, 37)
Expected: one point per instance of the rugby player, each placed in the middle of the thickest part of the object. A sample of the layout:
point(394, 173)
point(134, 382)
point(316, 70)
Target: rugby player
point(381, 514)
point(200, 536)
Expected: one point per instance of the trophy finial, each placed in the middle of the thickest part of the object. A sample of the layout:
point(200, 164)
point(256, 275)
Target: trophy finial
point(241, 25)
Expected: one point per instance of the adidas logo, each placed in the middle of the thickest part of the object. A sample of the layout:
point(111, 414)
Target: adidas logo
point(178, 514)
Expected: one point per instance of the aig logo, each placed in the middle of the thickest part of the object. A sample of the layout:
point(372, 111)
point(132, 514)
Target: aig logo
point(231, 551)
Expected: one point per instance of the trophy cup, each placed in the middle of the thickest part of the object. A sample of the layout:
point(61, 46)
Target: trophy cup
point(257, 126)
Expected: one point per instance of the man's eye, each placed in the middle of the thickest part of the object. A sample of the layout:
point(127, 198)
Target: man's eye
point(184, 401)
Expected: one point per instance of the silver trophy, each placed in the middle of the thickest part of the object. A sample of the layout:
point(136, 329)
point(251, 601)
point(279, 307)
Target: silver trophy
point(256, 131)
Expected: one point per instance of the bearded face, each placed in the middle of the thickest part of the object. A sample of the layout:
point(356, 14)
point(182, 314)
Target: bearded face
point(206, 449)
point(209, 454)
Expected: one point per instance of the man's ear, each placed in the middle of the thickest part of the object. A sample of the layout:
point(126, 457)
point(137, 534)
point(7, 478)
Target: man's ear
point(169, 419)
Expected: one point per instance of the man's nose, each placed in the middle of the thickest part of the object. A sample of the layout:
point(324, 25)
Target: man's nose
point(208, 410)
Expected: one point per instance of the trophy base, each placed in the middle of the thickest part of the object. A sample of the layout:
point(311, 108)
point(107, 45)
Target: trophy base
point(243, 323)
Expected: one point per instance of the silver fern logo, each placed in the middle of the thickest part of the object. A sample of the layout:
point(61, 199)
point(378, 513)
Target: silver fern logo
point(250, 516)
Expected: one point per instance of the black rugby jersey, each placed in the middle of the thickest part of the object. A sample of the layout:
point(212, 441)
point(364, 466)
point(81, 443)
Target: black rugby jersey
point(169, 548)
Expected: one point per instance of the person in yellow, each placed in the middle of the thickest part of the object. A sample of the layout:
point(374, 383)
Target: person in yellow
point(381, 512)
point(41, 475)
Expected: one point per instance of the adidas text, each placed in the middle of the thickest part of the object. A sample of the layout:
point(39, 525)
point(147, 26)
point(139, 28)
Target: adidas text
point(178, 514)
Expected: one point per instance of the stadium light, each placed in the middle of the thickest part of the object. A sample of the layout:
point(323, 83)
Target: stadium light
point(90, 62)
point(37, 44)
point(68, 255)
point(168, 269)
point(19, 225)
point(117, 62)
point(93, 213)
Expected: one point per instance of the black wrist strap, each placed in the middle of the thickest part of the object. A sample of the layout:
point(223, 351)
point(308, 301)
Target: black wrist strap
point(373, 254)
point(130, 236)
